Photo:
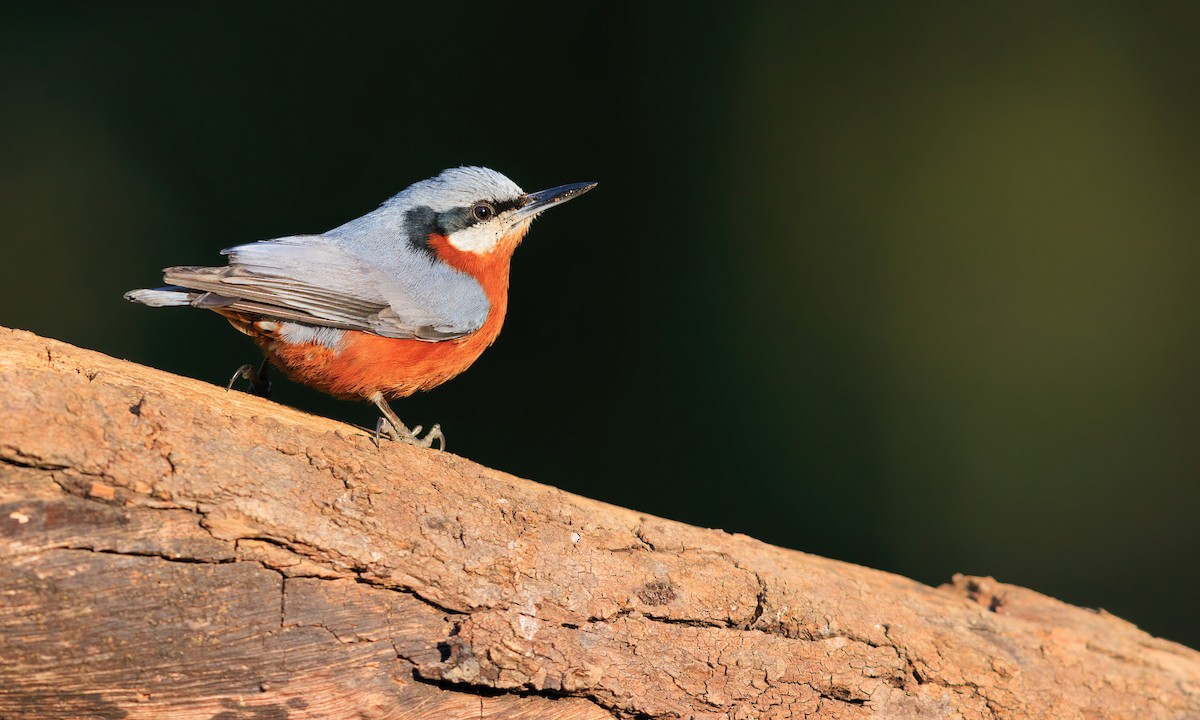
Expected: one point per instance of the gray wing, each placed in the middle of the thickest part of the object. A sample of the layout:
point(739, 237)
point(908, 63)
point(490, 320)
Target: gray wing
point(315, 280)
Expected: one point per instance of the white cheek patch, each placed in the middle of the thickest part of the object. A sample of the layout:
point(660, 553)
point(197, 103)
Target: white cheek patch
point(477, 239)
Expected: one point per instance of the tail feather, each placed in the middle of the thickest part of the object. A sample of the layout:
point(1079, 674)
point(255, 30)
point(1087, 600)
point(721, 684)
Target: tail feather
point(171, 296)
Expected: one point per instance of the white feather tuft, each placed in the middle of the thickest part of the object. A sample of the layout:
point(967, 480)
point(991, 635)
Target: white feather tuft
point(162, 297)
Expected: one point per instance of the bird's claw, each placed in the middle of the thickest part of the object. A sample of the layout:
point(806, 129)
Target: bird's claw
point(260, 384)
point(398, 433)
point(435, 433)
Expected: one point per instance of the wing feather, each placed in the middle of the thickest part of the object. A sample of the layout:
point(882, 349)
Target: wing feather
point(314, 280)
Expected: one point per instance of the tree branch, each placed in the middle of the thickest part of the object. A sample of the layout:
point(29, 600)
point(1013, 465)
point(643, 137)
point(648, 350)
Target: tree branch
point(173, 550)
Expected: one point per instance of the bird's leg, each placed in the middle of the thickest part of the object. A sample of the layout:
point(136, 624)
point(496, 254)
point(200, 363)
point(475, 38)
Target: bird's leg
point(260, 384)
point(396, 430)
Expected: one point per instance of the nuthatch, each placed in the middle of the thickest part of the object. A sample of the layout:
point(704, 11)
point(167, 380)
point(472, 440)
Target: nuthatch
point(399, 300)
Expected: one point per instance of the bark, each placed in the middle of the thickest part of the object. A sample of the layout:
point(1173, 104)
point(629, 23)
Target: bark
point(171, 550)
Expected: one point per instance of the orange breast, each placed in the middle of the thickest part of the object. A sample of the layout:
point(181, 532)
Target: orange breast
point(367, 363)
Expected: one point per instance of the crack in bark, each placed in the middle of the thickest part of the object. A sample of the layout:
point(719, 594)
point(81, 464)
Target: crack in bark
point(157, 555)
point(640, 533)
point(486, 691)
point(760, 601)
point(664, 619)
point(18, 458)
point(405, 590)
point(282, 600)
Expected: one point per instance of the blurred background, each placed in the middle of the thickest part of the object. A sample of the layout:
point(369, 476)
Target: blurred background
point(912, 286)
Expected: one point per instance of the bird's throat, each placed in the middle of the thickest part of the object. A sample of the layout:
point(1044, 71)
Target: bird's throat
point(489, 269)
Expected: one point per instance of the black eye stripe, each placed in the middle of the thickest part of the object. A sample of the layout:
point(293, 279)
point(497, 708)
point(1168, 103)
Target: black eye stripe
point(421, 222)
point(506, 205)
point(456, 217)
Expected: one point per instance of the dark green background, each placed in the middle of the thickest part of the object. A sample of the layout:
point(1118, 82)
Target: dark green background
point(908, 285)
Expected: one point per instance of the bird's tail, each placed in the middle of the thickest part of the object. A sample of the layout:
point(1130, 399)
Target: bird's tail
point(170, 296)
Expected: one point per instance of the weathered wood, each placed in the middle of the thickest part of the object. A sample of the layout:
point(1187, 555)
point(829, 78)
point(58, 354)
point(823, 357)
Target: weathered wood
point(168, 549)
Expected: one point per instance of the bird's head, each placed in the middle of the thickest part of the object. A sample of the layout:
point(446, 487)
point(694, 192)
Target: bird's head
point(474, 211)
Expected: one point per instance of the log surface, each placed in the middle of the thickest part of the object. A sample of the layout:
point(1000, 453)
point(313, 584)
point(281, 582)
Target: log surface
point(168, 549)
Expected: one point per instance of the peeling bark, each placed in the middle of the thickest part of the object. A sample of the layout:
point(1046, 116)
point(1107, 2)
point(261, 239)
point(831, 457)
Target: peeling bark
point(168, 549)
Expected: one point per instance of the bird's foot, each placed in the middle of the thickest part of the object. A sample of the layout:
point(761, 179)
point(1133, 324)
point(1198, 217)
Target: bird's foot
point(260, 384)
point(395, 429)
point(398, 433)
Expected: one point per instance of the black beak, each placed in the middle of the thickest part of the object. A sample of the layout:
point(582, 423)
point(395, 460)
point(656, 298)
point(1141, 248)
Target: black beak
point(536, 202)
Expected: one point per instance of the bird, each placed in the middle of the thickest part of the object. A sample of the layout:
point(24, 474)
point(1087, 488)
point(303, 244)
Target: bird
point(394, 302)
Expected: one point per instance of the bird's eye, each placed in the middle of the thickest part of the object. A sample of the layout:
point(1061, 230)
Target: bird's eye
point(483, 212)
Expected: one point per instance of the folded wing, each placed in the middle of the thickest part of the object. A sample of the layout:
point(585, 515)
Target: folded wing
point(314, 280)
